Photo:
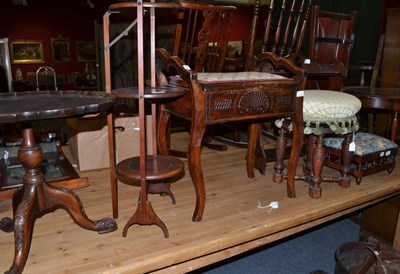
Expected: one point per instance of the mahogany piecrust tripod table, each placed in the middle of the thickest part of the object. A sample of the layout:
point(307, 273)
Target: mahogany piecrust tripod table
point(36, 197)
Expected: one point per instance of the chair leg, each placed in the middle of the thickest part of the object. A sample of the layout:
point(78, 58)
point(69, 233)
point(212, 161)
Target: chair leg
point(261, 157)
point(253, 133)
point(163, 132)
point(255, 157)
point(208, 141)
point(196, 172)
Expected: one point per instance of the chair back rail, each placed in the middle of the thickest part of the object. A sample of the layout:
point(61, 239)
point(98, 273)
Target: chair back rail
point(288, 33)
point(202, 35)
point(332, 36)
point(283, 31)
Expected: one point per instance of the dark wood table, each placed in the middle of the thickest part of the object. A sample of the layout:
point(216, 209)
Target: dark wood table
point(380, 98)
point(36, 197)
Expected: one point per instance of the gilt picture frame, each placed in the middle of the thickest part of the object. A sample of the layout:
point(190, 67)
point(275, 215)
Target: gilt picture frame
point(26, 51)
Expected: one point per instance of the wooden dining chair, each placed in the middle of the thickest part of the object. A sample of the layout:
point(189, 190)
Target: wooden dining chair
point(202, 35)
point(201, 40)
point(279, 29)
point(285, 27)
point(331, 39)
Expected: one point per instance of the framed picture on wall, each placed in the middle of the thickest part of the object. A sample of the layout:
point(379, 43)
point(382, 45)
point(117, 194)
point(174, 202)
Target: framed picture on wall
point(26, 51)
point(60, 50)
point(86, 51)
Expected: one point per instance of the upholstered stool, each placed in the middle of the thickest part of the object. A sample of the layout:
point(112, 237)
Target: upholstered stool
point(372, 154)
point(324, 112)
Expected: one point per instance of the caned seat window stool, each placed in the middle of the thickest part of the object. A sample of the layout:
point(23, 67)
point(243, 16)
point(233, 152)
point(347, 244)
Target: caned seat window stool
point(324, 112)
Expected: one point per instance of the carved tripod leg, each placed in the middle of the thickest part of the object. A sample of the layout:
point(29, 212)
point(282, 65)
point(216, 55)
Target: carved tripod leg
point(7, 224)
point(72, 204)
point(145, 215)
point(28, 202)
point(345, 164)
point(315, 190)
point(280, 149)
point(24, 219)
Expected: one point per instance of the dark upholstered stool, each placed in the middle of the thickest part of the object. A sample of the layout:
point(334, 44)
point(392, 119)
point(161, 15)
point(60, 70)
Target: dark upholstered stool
point(372, 154)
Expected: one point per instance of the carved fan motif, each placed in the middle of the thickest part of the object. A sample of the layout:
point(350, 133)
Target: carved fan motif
point(254, 101)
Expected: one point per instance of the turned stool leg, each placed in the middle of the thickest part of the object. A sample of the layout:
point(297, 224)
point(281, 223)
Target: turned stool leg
point(308, 162)
point(318, 163)
point(281, 144)
point(346, 158)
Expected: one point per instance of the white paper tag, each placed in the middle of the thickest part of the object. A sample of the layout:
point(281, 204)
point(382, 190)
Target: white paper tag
point(187, 67)
point(300, 93)
point(352, 146)
point(6, 153)
point(307, 61)
point(274, 205)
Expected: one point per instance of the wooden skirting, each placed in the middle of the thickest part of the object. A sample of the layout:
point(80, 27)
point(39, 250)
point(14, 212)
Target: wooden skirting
point(232, 222)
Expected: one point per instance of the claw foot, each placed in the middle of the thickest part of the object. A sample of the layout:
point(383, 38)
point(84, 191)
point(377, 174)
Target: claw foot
point(6, 225)
point(106, 225)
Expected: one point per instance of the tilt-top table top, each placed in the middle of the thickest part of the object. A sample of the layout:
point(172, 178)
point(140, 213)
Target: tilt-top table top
point(41, 105)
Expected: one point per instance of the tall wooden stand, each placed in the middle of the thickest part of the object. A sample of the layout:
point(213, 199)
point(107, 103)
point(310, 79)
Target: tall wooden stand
point(153, 172)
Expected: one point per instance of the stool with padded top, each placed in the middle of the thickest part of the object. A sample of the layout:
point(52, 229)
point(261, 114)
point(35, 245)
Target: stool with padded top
point(324, 112)
point(372, 154)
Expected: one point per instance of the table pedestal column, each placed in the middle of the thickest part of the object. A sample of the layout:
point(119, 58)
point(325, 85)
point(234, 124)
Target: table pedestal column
point(36, 198)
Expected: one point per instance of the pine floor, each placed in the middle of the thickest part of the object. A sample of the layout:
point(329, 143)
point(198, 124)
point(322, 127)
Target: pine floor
point(232, 223)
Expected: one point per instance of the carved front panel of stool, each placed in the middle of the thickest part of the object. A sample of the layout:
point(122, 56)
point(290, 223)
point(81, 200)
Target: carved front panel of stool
point(241, 104)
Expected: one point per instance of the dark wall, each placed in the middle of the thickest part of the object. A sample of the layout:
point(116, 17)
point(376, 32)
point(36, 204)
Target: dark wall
point(46, 19)
point(368, 28)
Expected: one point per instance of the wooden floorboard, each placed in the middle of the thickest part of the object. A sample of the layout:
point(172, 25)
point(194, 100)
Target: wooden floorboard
point(232, 221)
